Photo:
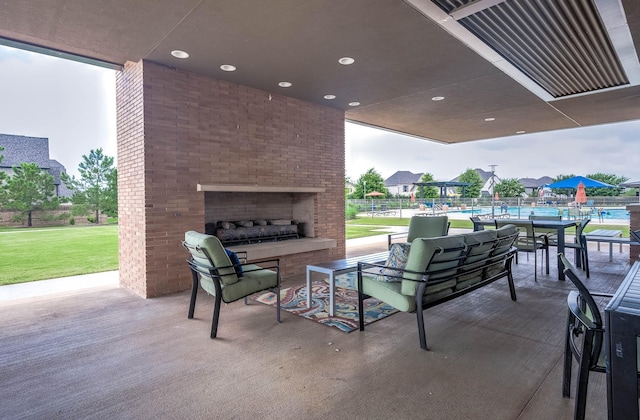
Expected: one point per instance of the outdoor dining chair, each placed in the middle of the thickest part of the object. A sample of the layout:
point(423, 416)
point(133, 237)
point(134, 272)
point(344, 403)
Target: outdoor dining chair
point(528, 241)
point(212, 269)
point(580, 245)
point(551, 234)
point(584, 341)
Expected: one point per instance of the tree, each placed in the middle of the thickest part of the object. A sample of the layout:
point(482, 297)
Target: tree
point(110, 207)
point(429, 192)
point(609, 179)
point(3, 179)
point(368, 182)
point(29, 189)
point(93, 191)
point(473, 178)
point(509, 187)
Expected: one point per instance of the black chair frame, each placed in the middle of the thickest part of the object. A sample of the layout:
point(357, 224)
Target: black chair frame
point(197, 268)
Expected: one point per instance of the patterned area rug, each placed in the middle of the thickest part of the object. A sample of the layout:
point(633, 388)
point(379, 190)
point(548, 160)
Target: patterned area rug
point(294, 300)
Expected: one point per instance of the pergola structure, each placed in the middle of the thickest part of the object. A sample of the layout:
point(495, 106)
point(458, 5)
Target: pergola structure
point(220, 98)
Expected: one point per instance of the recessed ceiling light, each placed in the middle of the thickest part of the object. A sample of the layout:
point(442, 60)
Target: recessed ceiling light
point(437, 98)
point(489, 119)
point(329, 96)
point(346, 61)
point(354, 103)
point(285, 84)
point(227, 67)
point(520, 132)
point(179, 54)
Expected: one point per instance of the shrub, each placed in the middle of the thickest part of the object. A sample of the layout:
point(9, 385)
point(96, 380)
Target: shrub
point(351, 211)
point(72, 221)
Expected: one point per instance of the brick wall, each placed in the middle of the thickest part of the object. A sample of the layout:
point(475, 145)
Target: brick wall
point(131, 179)
point(178, 129)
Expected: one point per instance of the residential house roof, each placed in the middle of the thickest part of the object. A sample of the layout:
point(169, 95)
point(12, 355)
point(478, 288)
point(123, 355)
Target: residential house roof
point(402, 178)
point(25, 149)
point(21, 149)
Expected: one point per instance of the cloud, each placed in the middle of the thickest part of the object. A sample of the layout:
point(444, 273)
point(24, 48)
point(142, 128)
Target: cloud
point(70, 103)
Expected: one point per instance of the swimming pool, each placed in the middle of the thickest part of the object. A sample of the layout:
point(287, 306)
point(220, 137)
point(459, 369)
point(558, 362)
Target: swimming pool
point(524, 212)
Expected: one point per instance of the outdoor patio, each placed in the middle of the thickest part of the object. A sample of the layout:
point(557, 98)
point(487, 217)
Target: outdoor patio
point(107, 353)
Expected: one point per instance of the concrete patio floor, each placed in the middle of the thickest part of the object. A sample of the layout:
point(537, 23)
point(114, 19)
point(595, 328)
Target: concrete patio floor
point(103, 352)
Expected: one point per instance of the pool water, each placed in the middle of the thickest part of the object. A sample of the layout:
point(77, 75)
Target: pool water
point(524, 212)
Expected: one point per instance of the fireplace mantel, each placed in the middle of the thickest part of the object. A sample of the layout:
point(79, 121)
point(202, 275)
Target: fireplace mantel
point(257, 188)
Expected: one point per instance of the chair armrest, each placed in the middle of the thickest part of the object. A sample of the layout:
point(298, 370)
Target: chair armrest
point(273, 263)
point(394, 236)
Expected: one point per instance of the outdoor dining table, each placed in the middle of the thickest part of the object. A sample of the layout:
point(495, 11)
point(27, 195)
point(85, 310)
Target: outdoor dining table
point(559, 225)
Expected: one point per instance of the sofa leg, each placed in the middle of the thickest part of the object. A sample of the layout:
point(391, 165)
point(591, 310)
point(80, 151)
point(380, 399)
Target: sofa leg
point(423, 338)
point(194, 293)
point(216, 316)
point(422, 287)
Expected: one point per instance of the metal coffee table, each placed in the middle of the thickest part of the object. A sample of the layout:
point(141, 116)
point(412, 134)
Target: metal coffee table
point(333, 268)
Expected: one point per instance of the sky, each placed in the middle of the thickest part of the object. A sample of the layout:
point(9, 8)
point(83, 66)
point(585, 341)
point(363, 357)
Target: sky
point(70, 103)
point(73, 105)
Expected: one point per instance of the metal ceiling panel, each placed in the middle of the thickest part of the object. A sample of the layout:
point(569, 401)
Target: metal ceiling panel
point(561, 45)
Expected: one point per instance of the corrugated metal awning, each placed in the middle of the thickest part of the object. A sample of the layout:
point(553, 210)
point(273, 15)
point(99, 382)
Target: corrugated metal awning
point(561, 45)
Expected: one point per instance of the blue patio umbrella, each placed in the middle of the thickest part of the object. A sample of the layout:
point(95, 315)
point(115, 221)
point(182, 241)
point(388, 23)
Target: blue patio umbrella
point(574, 181)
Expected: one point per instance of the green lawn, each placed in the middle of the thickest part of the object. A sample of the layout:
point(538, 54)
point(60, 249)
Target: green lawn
point(36, 254)
point(45, 253)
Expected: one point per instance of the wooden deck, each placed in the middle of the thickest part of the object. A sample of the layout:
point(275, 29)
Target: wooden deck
point(106, 353)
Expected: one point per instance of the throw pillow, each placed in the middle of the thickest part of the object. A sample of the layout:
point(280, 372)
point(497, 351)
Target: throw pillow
point(398, 255)
point(235, 261)
point(244, 223)
point(260, 222)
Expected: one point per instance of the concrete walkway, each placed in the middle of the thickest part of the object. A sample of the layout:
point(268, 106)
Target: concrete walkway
point(40, 288)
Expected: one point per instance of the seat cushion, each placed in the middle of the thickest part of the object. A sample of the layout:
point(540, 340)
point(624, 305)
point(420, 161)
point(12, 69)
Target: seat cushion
point(254, 279)
point(214, 248)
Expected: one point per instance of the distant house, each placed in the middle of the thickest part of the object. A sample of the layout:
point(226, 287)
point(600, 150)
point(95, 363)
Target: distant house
point(531, 185)
point(401, 183)
point(349, 187)
point(23, 149)
point(486, 179)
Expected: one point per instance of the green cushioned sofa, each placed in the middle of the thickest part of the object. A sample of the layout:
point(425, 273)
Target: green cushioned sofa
point(440, 269)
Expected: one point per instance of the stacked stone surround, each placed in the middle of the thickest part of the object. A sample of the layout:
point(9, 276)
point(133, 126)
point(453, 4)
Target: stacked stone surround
point(178, 129)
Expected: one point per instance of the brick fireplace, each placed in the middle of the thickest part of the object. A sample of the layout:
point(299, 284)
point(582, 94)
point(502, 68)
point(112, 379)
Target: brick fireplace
point(178, 130)
point(228, 203)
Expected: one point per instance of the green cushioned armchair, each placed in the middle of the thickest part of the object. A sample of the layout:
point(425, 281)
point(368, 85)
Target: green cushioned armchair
point(212, 269)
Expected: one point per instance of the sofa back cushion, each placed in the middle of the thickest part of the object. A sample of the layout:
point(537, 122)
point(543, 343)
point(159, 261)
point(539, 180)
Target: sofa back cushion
point(216, 251)
point(506, 238)
point(430, 256)
point(427, 227)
